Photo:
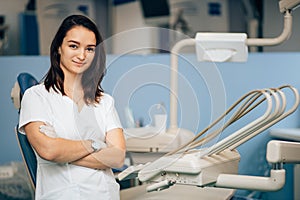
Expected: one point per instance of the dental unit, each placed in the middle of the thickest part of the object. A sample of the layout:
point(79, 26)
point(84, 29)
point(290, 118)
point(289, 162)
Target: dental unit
point(211, 47)
point(217, 165)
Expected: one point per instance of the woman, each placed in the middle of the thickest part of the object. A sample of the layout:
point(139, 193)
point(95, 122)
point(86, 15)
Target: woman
point(70, 122)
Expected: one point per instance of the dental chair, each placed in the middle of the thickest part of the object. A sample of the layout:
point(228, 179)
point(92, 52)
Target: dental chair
point(25, 81)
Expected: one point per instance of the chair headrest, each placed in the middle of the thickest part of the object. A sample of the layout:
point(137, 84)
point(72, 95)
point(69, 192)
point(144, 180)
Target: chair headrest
point(25, 81)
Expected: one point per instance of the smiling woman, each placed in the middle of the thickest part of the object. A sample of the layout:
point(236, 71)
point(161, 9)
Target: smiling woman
point(76, 55)
point(69, 120)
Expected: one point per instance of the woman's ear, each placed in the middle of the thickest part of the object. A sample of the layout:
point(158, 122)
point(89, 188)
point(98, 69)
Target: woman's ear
point(59, 51)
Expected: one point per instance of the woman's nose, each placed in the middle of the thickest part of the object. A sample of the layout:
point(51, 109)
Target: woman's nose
point(81, 54)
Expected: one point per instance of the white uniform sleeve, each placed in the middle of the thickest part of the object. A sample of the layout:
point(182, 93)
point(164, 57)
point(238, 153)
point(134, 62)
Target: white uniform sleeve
point(112, 117)
point(32, 109)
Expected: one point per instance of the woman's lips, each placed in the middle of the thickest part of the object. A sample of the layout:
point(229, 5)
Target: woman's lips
point(79, 63)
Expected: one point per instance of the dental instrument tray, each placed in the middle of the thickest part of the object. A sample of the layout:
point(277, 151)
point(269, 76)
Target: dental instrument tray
point(190, 168)
point(187, 169)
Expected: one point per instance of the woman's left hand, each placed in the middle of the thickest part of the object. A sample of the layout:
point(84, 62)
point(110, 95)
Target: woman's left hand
point(48, 129)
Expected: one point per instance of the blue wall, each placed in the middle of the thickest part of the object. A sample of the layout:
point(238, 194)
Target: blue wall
point(205, 90)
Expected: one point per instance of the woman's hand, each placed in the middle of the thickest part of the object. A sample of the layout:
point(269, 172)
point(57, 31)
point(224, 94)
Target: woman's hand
point(48, 129)
point(111, 157)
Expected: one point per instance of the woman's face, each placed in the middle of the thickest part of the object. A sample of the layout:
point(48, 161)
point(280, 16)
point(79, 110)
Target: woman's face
point(77, 50)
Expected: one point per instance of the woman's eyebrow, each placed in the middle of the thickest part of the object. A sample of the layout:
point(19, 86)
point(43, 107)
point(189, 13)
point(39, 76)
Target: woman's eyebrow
point(76, 42)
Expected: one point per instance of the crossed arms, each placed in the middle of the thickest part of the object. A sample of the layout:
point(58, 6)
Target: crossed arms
point(78, 152)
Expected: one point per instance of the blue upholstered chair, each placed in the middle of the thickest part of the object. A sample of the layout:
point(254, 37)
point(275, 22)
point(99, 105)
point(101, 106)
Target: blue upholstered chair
point(25, 81)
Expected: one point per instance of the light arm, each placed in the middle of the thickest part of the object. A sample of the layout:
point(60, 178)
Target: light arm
point(174, 79)
point(287, 30)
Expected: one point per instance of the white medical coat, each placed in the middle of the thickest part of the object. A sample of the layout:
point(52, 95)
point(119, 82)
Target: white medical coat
point(66, 181)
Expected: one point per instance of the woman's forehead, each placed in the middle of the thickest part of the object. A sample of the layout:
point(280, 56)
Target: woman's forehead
point(81, 34)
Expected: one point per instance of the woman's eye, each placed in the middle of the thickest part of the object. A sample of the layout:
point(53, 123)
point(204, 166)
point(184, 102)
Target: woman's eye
point(73, 46)
point(90, 49)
